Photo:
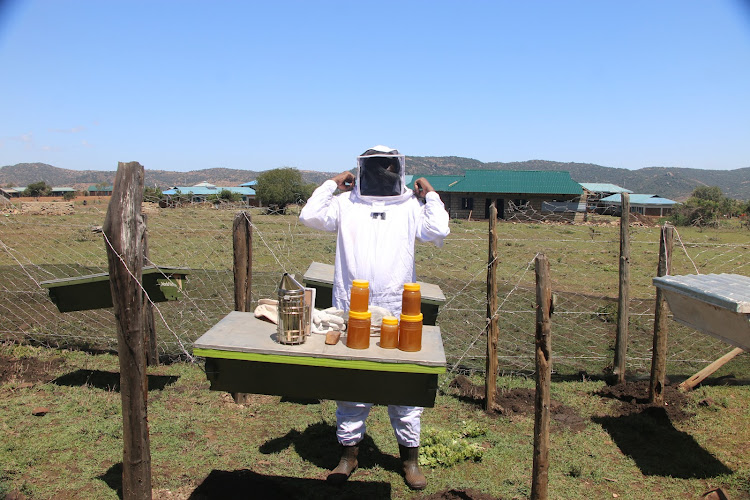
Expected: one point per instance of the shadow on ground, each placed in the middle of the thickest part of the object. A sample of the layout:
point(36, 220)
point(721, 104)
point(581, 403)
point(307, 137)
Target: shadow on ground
point(317, 445)
point(109, 381)
point(242, 484)
point(657, 448)
point(113, 478)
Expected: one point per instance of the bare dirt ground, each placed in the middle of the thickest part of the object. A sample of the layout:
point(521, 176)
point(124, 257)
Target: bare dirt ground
point(518, 402)
point(633, 397)
point(27, 370)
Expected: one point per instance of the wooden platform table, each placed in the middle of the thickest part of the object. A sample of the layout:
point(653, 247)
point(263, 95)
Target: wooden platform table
point(715, 304)
point(320, 277)
point(242, 355)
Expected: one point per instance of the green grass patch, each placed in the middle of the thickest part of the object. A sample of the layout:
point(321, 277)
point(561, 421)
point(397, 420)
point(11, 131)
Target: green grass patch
point(75, 449)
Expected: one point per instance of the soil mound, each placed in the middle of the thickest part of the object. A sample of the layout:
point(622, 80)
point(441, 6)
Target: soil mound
point(633, 397)
point(28, 370)
point(469, 494)
point(518, 402)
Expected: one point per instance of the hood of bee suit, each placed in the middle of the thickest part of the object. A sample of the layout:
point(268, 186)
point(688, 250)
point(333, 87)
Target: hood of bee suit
point(381, 176)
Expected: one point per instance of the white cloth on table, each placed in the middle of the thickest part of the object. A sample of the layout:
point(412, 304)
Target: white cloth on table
point(331, 319)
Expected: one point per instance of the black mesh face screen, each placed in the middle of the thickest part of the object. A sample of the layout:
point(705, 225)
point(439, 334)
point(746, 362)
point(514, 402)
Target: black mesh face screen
point(380, 176)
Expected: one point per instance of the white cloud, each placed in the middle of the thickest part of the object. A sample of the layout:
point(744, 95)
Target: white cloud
point(73, 130)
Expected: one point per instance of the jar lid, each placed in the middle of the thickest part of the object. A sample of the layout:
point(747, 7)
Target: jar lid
point(390, 320)
point(361, 283)
point(412, 319)
point(360, 314)
point(411, 287)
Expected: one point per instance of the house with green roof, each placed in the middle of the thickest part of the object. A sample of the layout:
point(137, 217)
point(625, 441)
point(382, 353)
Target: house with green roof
point(100, 190)
point(518, 194)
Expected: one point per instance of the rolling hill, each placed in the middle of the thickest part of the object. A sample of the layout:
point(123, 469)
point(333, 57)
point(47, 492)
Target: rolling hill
point(674, 183)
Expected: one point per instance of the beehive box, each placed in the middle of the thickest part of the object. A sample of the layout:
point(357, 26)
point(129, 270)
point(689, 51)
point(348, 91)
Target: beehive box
point(716, 304)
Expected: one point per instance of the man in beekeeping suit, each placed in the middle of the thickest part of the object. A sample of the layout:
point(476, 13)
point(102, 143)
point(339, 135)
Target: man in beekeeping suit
point(377, 220)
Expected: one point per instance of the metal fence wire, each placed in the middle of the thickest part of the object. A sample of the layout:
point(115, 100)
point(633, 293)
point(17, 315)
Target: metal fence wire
point(584, 261)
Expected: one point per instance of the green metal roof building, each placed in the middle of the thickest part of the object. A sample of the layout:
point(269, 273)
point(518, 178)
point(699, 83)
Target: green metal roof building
point(519, 194)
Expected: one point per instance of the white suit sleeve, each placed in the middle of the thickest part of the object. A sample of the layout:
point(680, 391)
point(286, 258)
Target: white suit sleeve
point(321, 209)
point(433, 220)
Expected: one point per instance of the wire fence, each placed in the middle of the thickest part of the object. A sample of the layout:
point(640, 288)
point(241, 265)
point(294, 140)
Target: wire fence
point(584, 262)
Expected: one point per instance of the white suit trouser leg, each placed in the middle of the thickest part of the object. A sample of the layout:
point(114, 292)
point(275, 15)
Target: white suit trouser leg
point(350, 422)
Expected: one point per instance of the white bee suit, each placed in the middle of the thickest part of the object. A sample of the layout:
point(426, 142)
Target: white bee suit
point(375, 239)
point(375, 242)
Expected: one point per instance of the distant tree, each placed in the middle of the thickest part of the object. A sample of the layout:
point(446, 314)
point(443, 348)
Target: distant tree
point(152, 194)
point(704, 207)
point(709, 193)
point(282, 187)
point(37, 189)
point(69, 195)
point(226, 196)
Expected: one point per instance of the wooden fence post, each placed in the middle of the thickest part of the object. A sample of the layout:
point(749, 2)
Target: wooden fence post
point(543, 344)
point(242, 239)
point(490, 379)
point(661, 329)
point(149, 326)
point(123, 228)
point(623, 300)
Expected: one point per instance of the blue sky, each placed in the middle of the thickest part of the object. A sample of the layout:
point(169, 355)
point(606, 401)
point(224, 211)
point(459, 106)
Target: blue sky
point(187, 85)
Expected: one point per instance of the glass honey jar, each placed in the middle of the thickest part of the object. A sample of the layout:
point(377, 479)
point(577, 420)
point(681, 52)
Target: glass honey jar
point(359, 295)
point(389, 333)
point(410, 333)
point(358, 330)
point(411, 299)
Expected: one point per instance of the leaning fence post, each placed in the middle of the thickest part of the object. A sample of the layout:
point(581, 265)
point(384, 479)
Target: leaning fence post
point(242, 239)
point(490, 380)
point(623, 301)
point(123, 228)
point(661, 329)
point(543, 344)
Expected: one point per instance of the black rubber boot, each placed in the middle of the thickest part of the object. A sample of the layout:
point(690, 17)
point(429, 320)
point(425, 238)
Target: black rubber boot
point(346, 465)
point(412, 474)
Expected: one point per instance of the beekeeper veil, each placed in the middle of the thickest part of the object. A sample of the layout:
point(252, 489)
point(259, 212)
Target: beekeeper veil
point(380, 172)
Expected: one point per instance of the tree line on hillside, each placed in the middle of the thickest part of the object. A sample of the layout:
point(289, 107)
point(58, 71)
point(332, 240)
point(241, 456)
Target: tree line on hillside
point(281, 187)
point(674, 183)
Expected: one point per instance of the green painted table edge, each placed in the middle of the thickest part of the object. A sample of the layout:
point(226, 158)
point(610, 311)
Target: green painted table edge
point(312, 361)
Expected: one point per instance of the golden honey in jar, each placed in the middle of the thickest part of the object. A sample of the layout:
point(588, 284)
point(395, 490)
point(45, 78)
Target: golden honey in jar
point(359, 295)
point(410, 333)
point(389, 332)
point(358, 330)
point(411, 299)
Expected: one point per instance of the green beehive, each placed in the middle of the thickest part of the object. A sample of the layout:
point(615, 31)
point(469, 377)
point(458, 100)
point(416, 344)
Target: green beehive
point(92, 291)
